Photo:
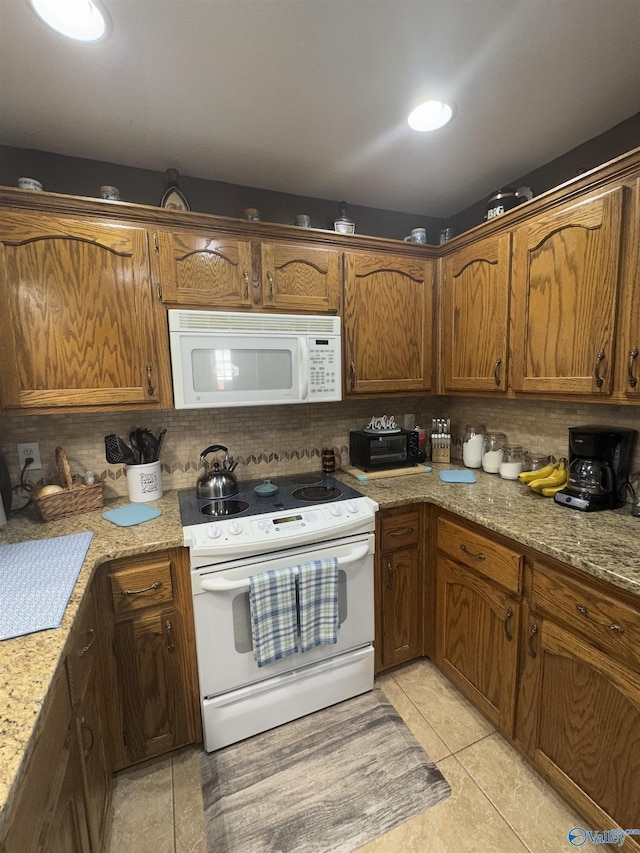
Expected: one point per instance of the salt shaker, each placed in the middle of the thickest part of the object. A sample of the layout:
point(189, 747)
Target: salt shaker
point(472, 442)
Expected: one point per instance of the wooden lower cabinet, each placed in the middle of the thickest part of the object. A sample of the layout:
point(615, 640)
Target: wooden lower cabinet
point(478, 604)
point(398, 587)
point(49, 813)
point(579, 702)
point(152, 679)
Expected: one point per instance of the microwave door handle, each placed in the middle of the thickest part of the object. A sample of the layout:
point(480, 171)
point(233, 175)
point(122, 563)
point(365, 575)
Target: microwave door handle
point(303, 367)
point(215, 584)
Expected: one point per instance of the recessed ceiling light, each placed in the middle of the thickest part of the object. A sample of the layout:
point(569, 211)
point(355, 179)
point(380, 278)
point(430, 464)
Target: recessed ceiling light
point(430, 115)
point(84, 20)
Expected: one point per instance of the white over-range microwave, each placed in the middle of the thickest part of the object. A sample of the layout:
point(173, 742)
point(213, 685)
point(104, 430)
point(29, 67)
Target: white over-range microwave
point(222, 358)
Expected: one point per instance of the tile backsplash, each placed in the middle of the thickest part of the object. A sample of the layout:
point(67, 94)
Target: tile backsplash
point(276, 440)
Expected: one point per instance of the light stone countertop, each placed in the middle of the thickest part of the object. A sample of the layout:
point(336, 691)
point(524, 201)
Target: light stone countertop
point(603, 544)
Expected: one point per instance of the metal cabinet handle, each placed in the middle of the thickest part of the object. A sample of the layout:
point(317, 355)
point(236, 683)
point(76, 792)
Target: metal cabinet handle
point(270, 279)
point(389, 576)
point(507, 619)
point(246, 283)
point(633, 354)
point(352, 371)
point(496, 372)
point(91, 636)
point(155, 585)
point(86, 727)
point(612, 626)
point(404, 532)
point(596, 369)
point(532, 634)
point(150, 388)
point(478, 556)
point(169, 628)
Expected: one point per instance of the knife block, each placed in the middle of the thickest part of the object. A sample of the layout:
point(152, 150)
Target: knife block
point(441, 454)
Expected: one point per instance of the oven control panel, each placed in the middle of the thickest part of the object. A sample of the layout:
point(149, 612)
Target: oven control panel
point(225, 538)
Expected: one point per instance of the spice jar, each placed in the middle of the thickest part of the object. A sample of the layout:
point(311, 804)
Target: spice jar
point(492, 451)
point(472, 442)
point(512, 461)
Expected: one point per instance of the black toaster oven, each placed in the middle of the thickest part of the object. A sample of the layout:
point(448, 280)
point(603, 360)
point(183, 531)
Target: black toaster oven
point(371, 450)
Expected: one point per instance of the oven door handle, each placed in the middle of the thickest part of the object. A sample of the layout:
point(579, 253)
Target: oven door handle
point(217, 584)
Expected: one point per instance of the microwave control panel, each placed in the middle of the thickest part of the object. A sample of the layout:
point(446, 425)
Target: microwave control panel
point(325, 377)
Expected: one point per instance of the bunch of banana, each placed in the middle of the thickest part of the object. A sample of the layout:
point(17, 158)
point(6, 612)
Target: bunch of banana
point(548, 480)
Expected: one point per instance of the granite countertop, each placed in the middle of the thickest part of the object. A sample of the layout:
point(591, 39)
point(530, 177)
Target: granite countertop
point(603, 544)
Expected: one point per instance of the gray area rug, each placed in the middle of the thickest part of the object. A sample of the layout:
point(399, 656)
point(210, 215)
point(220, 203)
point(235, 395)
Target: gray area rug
point(331, 781)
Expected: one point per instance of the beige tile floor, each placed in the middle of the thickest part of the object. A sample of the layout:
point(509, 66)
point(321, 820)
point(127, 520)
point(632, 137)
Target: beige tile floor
point(498, 804)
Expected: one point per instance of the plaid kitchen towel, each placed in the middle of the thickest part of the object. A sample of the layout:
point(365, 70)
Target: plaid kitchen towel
point(272, 603)
point(318, 603)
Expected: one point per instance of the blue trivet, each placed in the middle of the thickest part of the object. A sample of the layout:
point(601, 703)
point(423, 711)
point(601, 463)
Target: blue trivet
point(36, 582)
point(457, 476)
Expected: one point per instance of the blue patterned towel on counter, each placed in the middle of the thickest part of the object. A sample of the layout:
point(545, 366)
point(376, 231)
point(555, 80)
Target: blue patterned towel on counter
point(318, 598)
point(274, 623)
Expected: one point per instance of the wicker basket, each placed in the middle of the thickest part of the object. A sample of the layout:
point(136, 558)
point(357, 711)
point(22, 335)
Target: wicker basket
point(74, 499)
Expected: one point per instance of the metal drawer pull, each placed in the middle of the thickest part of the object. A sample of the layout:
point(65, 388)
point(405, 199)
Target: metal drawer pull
point(91, 636)
point(88, 749)
point(170, 644)
point(496, 374)
point(389, 576)
point(633, 354)
point(155, 585)
point(270, 279)
point(532, 633)
point(478, 556)
point(612, 626)
point(507, 619)
point(596, 369)
point(404, 532)
point(246, 283)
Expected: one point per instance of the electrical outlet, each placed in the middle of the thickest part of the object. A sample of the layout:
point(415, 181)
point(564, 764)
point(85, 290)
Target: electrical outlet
point(29, 450)
point(409, 421)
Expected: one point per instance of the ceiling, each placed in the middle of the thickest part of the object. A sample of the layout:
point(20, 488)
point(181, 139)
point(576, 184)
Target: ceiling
point(311, 96)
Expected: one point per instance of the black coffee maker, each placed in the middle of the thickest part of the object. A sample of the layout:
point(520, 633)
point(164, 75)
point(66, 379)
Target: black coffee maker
point(599, 461)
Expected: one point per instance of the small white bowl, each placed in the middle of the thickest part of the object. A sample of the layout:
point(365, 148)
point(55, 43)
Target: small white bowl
point(29, 184)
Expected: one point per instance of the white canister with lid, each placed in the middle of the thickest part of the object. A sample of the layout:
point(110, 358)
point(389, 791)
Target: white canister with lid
point(472, 442)
point(512, 461)
point(492, 451)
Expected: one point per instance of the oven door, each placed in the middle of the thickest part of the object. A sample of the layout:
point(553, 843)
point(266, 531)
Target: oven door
point(223, 623)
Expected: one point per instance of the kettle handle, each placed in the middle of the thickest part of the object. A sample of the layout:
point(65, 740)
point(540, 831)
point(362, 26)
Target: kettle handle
point(212, 449)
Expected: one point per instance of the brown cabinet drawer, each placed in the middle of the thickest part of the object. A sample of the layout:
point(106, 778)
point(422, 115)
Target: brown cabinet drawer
point(82, 658)
point(601, 619)
point(492, 559)
point(399, 529)
point(135, 586)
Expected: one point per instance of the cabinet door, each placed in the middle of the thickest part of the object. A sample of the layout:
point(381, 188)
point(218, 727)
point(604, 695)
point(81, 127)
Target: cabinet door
point(475, 300)
point(388, 318)
point(204, 269)
point(67, 828)
point(153, 696)
point(580, 723)
point(627, 373)
point(476, 640)
point(300, 278)
point(564, 297)
point(399, 635)
point(78, 321)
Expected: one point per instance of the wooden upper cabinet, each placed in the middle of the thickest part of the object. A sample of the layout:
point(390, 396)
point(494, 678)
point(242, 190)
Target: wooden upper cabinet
point(564, 294)
point(388, 323)
point(300, 278)
point(475, 302)
point(202, 268)
point(79, 327)
point(627, 372)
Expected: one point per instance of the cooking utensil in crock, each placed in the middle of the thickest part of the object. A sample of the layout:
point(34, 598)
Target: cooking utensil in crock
point(216, 483)
point(117, 451)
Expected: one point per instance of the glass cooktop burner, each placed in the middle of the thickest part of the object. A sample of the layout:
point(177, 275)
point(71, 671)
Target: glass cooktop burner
point(315, 494)
point(306, 479)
